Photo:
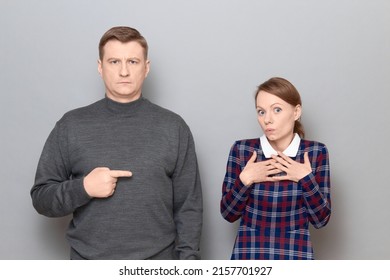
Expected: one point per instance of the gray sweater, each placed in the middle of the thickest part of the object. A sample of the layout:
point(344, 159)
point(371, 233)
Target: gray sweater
point(155, 214)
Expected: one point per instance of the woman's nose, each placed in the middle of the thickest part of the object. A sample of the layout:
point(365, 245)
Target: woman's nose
point(268, 118)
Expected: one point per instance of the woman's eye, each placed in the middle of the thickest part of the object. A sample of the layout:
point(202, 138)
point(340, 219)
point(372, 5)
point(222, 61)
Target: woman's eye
point(277, 110)
point(260, 113)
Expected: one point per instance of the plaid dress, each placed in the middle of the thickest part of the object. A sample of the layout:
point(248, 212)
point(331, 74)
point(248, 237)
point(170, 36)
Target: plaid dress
point(275, 216)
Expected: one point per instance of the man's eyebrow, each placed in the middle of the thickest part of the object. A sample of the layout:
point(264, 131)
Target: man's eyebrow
point(127, 58)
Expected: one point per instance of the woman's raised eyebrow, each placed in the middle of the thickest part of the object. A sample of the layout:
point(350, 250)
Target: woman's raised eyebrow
point(272, 105)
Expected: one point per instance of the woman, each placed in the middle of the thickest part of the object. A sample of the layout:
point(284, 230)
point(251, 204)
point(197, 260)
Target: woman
point(277, 183)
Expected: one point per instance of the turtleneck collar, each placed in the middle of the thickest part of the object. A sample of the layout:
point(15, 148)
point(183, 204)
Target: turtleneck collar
point(123, 109)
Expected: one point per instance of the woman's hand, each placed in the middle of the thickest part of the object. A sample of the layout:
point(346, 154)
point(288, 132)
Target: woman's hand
point(256, 172)
point(294, 170)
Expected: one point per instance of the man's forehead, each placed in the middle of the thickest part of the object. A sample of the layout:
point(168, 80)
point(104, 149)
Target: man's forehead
point(128, 49)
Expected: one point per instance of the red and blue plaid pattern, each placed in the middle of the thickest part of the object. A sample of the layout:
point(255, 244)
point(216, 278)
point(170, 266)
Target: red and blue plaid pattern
point(275, 216)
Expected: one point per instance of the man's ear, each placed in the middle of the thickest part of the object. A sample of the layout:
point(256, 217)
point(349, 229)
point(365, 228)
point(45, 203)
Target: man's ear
point(147, 68)
point(99, 67)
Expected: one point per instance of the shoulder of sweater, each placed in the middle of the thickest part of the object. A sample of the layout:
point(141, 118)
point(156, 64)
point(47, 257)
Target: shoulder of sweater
point(160, 114)
point(80, 112)
point(164, 113)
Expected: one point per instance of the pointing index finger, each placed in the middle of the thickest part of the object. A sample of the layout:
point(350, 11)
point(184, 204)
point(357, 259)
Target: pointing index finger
point(120, 173)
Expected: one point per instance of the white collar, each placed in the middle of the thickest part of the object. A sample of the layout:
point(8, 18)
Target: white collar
point(291, 150)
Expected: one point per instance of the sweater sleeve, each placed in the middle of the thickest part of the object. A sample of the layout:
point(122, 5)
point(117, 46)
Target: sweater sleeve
point(188, 204)
point(55, 193)
point(234, 193)
point(316, 191)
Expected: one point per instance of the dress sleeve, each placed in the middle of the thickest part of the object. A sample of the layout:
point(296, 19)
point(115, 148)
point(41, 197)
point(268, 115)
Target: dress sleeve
point(234, 193)
point(55, 193)
point(188, 204)
point(316, 190)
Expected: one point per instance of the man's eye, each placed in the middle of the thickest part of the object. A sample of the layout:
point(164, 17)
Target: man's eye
point(114, 61)
point(133, 61)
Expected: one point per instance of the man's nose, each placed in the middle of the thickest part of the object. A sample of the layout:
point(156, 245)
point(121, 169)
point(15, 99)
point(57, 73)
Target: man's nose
point(124, 72)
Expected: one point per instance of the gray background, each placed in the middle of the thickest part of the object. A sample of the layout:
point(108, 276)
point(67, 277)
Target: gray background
point(207, 59)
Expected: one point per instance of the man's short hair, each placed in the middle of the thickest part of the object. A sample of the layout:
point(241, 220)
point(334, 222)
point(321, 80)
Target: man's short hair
point(122, 34)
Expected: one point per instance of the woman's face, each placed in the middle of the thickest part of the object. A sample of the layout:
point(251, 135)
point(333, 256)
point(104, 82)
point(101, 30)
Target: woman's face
point(276, 118)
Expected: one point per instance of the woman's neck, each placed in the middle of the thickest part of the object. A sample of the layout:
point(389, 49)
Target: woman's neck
point(282, 144)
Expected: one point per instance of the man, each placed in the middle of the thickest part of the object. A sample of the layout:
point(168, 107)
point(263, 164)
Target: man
point(125, 167)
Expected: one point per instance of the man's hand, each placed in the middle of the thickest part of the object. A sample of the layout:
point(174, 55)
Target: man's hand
point(101, 182)
point(256, 172)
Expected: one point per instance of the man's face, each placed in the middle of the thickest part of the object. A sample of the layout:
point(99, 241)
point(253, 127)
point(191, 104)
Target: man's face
point(123, 69)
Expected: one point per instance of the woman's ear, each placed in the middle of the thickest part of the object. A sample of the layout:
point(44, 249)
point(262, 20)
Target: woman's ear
point(297, 112)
